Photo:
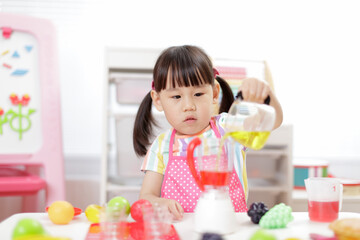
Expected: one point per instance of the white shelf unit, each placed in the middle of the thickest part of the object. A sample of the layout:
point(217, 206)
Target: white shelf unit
point(270, 170)
point(128, 77)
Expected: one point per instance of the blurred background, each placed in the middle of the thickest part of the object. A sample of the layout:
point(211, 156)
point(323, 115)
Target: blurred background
point(311, 47)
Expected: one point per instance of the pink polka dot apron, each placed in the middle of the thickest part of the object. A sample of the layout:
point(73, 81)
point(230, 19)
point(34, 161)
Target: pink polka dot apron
point(179, 184)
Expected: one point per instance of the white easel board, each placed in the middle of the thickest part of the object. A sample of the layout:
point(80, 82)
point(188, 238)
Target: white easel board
point(20, 101)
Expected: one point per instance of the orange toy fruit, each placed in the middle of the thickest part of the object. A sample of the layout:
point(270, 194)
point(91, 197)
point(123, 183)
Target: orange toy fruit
point(61, 212)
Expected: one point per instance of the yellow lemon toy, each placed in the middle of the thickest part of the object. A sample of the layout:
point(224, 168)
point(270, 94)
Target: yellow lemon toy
point(61, 212)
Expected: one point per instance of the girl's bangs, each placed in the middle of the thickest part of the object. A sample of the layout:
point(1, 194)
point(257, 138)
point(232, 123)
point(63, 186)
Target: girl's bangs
point(183, 66)
point(185, 76)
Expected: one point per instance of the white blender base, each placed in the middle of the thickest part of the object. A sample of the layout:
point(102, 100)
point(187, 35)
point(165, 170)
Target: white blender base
point(215, 215)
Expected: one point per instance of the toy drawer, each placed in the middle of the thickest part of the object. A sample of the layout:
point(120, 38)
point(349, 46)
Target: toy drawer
point(131, 87)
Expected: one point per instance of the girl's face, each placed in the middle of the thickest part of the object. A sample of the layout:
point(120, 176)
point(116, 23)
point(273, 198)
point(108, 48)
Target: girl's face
point(187, 109)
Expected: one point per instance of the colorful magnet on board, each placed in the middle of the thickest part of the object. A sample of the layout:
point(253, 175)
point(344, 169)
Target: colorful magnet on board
point(14, 99)
point(28, 48)
point(18, 121)
point(19, 72)
point(5, 52)
point(6, 32)
point(15, 55)
point(7, 66)
point(25, 99)
point(2, 120)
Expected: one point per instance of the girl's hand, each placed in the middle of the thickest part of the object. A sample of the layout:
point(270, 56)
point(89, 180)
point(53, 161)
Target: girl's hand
point(173, 206)
point(151, 190)
point(254, 90)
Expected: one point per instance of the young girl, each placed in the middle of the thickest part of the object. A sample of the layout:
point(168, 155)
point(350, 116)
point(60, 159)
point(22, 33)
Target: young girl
point(185, 88)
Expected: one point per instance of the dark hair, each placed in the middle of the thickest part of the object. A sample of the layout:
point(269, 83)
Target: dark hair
point(188, 66)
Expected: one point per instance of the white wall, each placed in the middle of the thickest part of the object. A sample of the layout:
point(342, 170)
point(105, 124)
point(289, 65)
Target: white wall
point(312, 48)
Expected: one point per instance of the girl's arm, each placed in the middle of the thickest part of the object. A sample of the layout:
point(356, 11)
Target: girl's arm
point(254, 90)
point(151, 190)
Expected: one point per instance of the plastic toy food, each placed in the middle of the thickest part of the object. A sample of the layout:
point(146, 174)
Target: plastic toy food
point(61, 212)
point(256, 211)
point(92, 213)
point(346, 229)
point(277, 217)
point(27, 227)
point(119, 203)
point(211, 236)
point(138, 208)
point(41, 237)
point(262, 235)
point(77, 211)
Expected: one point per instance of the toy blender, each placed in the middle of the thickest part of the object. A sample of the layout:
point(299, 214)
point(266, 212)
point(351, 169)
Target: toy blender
point(212, 168)
point(250, 123)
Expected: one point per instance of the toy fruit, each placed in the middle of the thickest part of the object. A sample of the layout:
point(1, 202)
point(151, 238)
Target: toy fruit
point(262, 235)
point(27, 227)
point(77, 211)
point(61, 212)
point(92, 213)
point(256, 211)
point(138, 208)
point(211, 236)
point(119, 203)
point(277, 217)
point(346, 228)
point(41, 237)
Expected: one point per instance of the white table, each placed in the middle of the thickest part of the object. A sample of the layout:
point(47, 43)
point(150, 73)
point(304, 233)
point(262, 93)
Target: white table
point(300, 227)
point(77, 229)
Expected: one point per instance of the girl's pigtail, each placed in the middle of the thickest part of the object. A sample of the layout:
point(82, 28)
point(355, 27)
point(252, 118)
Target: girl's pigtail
point(143, 126)
point(227, 95)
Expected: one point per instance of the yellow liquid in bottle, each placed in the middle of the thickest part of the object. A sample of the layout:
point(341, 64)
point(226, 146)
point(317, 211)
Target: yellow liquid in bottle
point(254, 140)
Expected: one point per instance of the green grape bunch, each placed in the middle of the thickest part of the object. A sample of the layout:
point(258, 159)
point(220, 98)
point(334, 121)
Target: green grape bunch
point(277, 217)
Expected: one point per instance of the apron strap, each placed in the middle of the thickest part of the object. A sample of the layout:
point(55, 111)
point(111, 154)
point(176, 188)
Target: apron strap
point(171, 143)
point(172, 138)
point(215, 129)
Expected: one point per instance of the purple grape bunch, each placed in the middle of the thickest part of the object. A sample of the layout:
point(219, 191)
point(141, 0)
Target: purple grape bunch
point(256, 211)
point(211, 236)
